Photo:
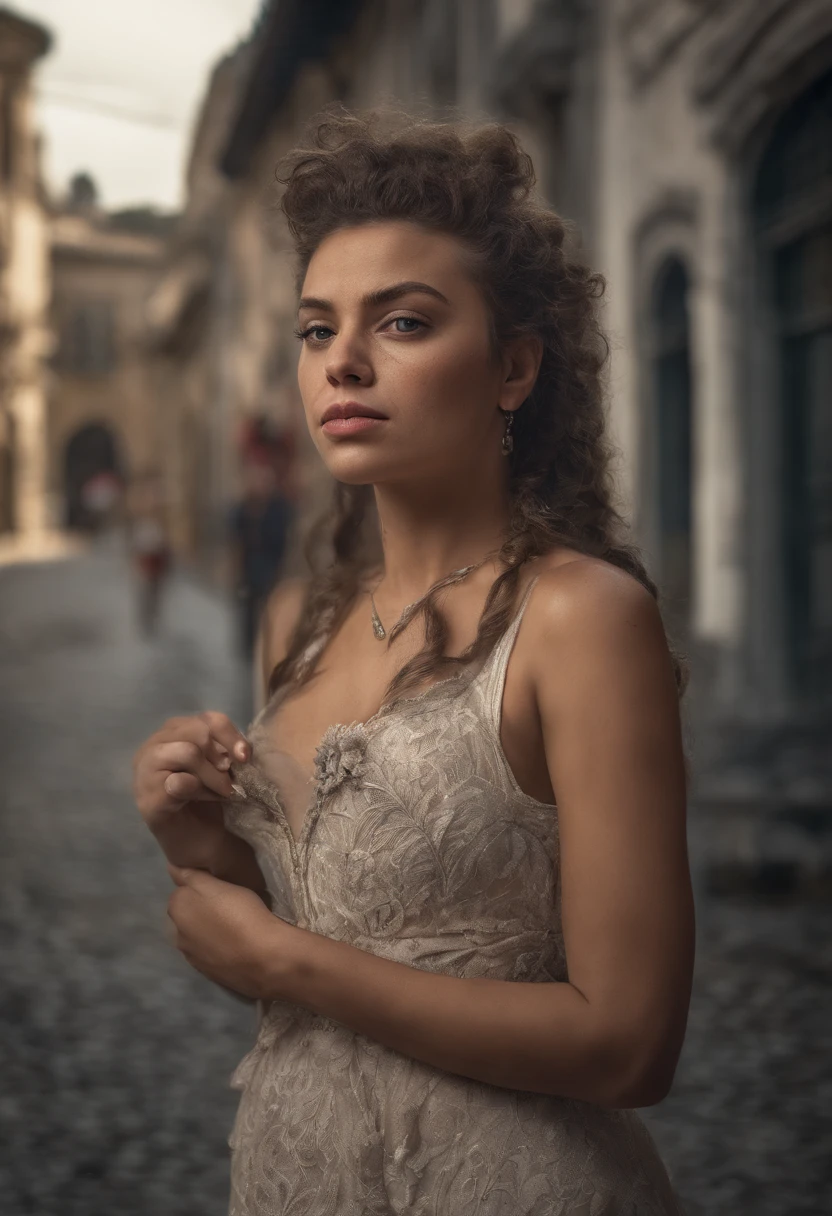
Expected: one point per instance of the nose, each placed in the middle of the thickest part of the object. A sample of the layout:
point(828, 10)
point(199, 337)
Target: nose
point(347, 361)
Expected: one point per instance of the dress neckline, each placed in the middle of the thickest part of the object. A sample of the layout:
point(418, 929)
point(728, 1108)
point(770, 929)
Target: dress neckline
point(467, 675)
point(333, 732)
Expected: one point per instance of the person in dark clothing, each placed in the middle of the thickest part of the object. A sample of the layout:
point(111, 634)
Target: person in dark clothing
point(259, 526)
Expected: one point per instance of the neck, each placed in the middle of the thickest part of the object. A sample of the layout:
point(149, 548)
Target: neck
point(429, 532)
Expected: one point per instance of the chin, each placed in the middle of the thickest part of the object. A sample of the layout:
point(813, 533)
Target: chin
point(364, 468)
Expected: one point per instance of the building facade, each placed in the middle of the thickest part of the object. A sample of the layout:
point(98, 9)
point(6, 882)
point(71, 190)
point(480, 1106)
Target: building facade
point(201, 327)
point(103, 416)
point(24, 285)
point(712, 217)
point(690, 140)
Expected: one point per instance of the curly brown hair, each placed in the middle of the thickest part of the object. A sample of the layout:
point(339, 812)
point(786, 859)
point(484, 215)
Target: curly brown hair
point(475, 184)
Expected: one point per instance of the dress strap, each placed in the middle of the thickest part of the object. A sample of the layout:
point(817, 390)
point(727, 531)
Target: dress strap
point(497, 662)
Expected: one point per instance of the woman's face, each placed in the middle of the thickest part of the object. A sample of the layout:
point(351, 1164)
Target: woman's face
point(392, 322)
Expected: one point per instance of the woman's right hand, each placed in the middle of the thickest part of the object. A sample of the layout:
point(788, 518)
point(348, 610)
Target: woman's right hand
point(180, 775)
point(186, 761)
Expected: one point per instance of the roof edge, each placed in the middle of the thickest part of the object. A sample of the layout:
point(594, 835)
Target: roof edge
point(293, 32)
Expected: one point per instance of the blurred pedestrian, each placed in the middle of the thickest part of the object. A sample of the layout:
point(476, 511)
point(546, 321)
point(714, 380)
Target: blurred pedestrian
point(100, 494)
point(259, 528)
point(150, 548)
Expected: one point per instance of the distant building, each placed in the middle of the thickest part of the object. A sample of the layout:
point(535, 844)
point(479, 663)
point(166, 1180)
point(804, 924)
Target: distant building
point(103, 414)
point(692, 142)
point(199, 319)
point(24, 284)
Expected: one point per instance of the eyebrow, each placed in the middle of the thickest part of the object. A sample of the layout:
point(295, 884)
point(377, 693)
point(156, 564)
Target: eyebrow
point(384, 296)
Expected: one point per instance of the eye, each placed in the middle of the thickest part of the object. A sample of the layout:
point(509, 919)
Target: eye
point(306, 335)
point(407, 321)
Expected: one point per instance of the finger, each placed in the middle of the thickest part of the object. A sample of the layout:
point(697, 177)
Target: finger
point(197, 729)
point(226, 733)
point(221, 748)
point(197, 880)
point(185, 787)
point(180, 874)
point(186, 757)
point(218, 755)
point(193, 728)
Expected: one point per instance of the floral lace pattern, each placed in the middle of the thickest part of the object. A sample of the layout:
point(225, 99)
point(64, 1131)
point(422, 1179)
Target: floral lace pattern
point(418, 846)
point(340, 755)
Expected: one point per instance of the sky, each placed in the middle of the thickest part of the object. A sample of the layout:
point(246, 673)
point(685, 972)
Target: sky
point(118, 94)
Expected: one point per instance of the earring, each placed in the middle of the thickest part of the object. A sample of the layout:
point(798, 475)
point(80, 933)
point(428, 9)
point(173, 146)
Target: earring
point(508, 438)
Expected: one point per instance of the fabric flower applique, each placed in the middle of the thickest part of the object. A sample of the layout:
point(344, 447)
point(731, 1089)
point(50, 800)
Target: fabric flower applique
point(339, 756)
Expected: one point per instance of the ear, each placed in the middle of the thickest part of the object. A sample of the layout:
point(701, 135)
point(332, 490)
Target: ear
point(521, 363)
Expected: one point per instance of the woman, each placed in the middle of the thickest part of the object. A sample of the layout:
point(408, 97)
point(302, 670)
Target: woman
point(479, 950)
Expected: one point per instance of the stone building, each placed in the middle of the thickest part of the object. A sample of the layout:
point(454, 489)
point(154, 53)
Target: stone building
point(74, 398)
point(103, 414)
point(200, 320)
point(24, 285)
point(691, 141)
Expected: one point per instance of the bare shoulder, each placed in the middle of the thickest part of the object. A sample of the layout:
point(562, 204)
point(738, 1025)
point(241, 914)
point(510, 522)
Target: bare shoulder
point(589, 590)
point(604, 685)
point(585, 613)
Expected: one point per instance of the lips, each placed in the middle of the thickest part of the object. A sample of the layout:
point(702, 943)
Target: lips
point(349, 409)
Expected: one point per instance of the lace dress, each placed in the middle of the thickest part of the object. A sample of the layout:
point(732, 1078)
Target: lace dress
point(418, 845)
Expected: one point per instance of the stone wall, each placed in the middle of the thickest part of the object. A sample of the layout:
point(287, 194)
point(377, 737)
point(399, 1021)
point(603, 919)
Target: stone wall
point(24, 285)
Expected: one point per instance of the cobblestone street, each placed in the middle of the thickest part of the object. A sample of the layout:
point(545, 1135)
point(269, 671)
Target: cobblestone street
point(116, 1057)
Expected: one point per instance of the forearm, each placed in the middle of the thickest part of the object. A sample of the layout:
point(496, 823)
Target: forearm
point(224, 855)
point(236, 863)
point(543, 1037)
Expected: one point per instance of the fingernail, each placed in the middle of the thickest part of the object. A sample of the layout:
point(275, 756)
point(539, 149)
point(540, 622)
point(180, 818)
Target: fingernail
point(224, 762)
point(240, 749)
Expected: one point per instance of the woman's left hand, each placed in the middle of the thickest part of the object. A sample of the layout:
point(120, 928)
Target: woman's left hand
point(227, 933)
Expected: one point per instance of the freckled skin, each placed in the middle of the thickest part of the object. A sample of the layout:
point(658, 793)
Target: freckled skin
point(439, 380)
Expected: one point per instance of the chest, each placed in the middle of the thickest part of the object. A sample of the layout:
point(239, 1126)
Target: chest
point(416, 839)
point(290, 736)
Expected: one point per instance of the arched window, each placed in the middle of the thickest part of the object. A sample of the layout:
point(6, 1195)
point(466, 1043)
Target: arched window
point(793, 221)
point(672, 418)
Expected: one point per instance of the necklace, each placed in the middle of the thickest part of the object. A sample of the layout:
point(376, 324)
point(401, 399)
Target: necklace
point(454, 577)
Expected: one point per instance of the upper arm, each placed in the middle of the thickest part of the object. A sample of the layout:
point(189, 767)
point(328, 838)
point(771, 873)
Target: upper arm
point(612, 734)
point(277, 625)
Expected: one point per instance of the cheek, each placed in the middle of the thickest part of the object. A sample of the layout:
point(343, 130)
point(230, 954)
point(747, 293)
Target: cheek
point(455, 385)
point(309, 382)
point(305, 375)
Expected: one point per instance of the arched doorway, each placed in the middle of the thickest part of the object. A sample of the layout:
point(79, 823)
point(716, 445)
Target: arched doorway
point(671, 368)
point(792, 203)
point(90, 451)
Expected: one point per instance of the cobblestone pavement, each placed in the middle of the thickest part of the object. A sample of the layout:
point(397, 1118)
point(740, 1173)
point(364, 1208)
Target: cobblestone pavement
point(116, 1057)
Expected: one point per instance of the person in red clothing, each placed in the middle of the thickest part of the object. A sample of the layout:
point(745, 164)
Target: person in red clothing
point(150, 548)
